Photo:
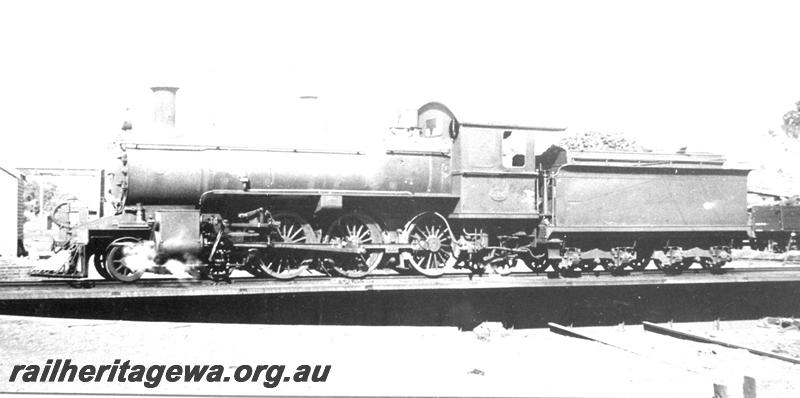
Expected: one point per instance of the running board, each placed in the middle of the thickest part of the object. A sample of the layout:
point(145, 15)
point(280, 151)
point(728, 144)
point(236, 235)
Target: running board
point(324, 248)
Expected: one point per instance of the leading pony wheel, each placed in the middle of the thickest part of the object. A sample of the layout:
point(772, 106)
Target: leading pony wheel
point(98, 258)
point(116, 261)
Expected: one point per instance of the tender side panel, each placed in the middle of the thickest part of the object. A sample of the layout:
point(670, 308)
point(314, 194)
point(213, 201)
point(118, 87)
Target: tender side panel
point(766, 218)
point(650, 199)
point(791, 218)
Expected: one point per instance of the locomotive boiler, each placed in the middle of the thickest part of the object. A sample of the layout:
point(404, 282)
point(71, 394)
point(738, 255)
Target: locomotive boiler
point(448, 193)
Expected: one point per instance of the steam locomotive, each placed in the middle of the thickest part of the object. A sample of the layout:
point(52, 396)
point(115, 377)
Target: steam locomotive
point(449, 193)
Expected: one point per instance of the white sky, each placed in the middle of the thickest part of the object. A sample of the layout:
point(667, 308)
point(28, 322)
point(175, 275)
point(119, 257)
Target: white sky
point(708, 74)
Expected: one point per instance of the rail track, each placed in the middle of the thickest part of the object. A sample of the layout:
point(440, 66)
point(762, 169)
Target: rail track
point(163, 287)
point(666, 330)
point(729, 365)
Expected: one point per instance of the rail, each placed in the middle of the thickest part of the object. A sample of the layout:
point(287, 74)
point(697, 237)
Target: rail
point(320, 283)
point(655, 328)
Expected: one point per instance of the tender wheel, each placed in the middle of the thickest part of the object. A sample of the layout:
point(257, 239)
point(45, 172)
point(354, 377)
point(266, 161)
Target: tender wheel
point(536, 262)
point(709, 264)
point(116, 261)
point(354, 230)
point(590, 265)
point(285, 264)
point(433, 241)
point(671, 269)
point(610, 266)
point(639, 264)
point(706, 263)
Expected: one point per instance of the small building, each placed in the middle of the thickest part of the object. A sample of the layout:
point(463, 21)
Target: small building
point(12, 216)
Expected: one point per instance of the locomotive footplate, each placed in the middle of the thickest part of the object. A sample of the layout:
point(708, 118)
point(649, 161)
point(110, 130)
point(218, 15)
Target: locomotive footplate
point(327, 248)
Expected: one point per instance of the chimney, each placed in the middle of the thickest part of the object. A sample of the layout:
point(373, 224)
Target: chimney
point(164, 115)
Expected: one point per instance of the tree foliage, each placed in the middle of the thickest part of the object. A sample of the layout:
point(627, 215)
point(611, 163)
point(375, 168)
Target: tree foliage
point(30, 197)
point(599, 141)
point(791, 122)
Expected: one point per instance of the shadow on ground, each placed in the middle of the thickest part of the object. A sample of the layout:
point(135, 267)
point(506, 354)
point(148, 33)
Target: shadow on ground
point(518, 308)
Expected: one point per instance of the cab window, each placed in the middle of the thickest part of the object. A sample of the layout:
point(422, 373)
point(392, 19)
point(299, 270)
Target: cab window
point(513, 147)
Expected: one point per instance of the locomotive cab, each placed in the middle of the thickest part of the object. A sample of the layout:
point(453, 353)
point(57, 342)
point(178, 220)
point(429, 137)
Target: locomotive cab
point(494, 170)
